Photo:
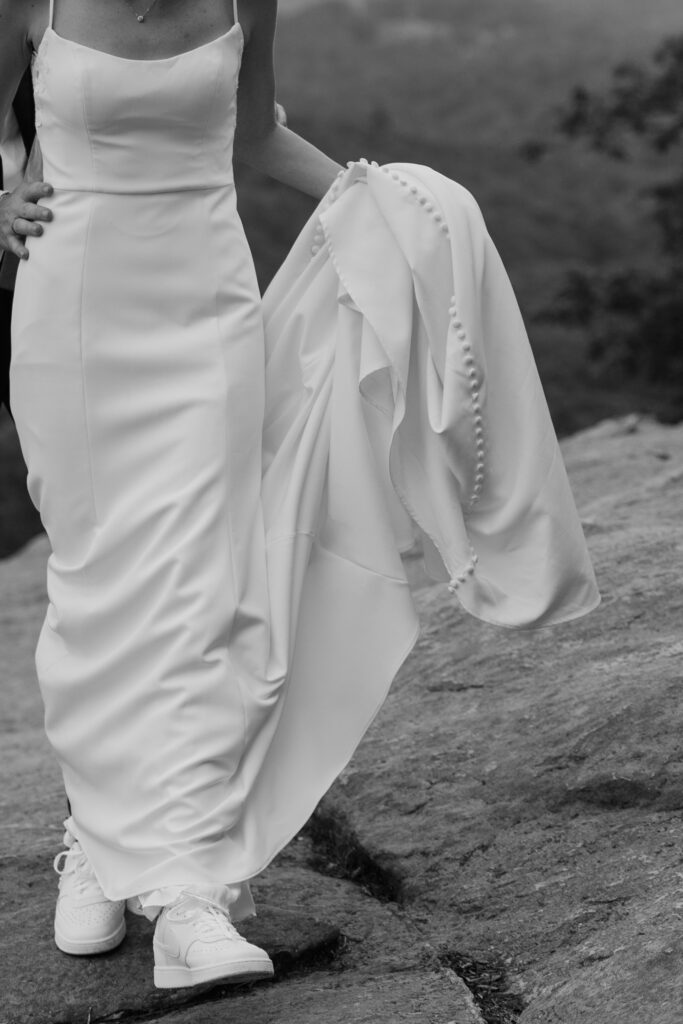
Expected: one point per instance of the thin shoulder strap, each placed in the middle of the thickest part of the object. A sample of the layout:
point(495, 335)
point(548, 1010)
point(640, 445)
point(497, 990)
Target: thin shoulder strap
point(235, 12)
point(52, 12)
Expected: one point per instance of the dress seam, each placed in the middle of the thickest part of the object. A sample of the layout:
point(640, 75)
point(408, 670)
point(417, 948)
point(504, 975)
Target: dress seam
point(211, 106)
point(335, 554)
point(146, 192)
point(226, 506)
point(86, 242)
point(86, 418)
point(86, 124)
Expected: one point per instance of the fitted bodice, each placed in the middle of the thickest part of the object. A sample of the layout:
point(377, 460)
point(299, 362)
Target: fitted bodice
point(112, 124)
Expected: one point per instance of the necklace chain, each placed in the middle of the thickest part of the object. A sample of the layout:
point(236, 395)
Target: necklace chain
point(141, 17)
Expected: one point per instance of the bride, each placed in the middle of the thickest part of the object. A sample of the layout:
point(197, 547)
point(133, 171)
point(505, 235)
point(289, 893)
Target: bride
point(220, 627)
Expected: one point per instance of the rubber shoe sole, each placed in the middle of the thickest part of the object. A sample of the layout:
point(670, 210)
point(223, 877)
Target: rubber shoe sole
point(235, 973)
point(89, 947)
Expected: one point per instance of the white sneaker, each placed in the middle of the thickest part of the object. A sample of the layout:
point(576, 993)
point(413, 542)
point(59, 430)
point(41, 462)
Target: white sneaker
point(86, 922)
point(195, 941)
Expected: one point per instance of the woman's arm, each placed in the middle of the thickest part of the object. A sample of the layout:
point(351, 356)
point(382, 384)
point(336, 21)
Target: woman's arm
point(19, 210)
point(260, 141)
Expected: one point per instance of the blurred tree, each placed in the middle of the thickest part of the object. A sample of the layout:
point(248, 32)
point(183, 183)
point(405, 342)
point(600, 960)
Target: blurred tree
point(635, 315)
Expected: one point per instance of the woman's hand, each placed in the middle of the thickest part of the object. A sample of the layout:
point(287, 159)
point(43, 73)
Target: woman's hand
point(20, 213)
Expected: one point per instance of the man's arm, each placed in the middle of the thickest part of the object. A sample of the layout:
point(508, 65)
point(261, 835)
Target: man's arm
point(15, 50)
point(24, 109)
point(19, 210)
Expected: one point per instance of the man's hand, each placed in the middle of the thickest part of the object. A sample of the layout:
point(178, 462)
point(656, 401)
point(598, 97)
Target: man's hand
point(20, 213)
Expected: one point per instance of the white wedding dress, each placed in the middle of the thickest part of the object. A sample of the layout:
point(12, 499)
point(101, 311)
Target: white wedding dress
point(226, 484)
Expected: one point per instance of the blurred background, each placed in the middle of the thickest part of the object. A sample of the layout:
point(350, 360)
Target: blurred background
point(562, 117)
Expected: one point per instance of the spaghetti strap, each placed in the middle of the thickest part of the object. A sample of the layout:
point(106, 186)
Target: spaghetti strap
point(52, 12)
point(235, 12)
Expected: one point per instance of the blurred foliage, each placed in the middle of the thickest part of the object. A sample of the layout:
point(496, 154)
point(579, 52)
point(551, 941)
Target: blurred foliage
point(644, 102)
point(460, 86)
point(634, 315)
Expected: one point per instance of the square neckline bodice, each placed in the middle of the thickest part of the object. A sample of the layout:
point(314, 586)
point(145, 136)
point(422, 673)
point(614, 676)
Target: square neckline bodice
point(129, 125)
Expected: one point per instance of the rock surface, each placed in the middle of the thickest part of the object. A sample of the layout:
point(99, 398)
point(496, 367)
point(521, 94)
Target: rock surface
point(370, 963)
point(340, 955)
point(512, 817)
point(524, 789)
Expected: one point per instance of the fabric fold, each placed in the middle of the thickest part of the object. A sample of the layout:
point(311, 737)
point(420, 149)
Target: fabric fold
point(244, 612)
point(472, 455)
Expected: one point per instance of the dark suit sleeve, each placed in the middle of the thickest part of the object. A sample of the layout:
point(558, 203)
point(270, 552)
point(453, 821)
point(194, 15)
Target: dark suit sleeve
point(25, 111)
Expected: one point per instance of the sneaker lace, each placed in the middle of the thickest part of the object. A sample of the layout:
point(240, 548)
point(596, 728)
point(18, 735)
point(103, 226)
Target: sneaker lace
point(74, 870)
point(211, 922)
